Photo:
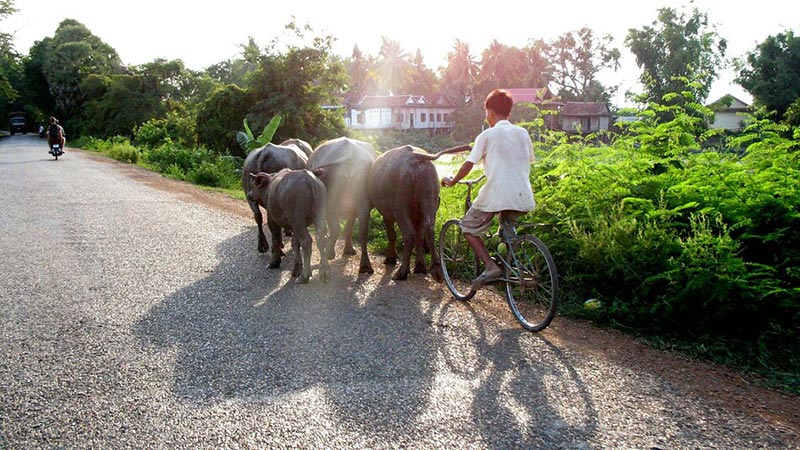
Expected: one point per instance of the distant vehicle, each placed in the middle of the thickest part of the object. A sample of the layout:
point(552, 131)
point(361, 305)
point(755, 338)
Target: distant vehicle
point(17, 123)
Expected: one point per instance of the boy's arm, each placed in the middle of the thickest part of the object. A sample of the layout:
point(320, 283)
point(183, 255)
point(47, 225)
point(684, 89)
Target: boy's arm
point(463, 171)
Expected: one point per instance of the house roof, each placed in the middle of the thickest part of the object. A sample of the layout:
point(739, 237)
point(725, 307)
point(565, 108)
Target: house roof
point(400, 101)
point(531, 95)
point(736, 105)
point(585, 109)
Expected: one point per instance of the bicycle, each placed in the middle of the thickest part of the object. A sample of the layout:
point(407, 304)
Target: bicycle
point(529, 271)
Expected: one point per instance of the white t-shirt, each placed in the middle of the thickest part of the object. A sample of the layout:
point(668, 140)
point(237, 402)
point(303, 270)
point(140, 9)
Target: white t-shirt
point(507, 154)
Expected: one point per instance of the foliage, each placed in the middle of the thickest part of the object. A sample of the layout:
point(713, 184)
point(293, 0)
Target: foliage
point(69, 57)
point(9, 60)
point(317, 77)
point(577, 58)
point(771, 72)
point(248, 142)
point(115, 105)
point(387, 140)
point(219, 118)
point(679, 241)
point(175, 127)
point(677, 46)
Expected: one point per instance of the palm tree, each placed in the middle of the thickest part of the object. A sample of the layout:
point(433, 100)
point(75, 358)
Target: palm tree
point(393, 65)
point(461, 73)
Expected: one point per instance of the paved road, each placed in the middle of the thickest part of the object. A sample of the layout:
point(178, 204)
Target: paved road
point(135, 317)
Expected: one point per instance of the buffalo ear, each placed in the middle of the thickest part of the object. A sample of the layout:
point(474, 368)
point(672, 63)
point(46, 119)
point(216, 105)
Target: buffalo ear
point(260, 179)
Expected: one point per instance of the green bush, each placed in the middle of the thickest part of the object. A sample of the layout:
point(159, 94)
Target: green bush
point(122, 150)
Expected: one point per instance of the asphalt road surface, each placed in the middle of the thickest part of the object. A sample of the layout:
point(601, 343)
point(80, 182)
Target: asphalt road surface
point(136, 312)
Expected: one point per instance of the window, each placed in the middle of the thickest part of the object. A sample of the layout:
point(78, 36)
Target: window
point(422, 117)
point(438, 117)
point(398, 117)
point(446, 117)
point(360, 118)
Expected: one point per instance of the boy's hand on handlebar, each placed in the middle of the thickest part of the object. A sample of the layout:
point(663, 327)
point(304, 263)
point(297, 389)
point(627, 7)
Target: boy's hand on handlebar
point(447, 181)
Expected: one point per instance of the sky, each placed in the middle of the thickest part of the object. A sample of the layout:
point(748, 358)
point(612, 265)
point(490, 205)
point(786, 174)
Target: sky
point(204, 33)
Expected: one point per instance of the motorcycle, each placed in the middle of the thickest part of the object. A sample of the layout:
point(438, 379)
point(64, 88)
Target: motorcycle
point(41, 131)
point(56, 151)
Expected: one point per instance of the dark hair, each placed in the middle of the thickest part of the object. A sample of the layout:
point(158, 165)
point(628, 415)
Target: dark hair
point(499, 101)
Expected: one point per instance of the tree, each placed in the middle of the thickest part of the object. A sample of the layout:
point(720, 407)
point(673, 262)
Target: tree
point(393, 66)
point(502, 66)
point(577, 58)
point(303, 85)
point(771, 72)
point(220, 118)
point(70, 56)
point(10, 67)
point(360, 71)
point(116, 105)
point(420, 80)
point(676, 46)
point(461, 74)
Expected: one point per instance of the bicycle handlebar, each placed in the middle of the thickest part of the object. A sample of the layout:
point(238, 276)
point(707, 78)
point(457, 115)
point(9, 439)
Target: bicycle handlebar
point(473, 181)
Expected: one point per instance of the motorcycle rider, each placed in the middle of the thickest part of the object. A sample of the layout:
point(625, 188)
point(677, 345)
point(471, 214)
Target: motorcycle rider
point(55, 134)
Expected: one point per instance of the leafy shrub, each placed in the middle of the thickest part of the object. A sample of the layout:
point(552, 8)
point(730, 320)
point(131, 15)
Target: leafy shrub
point(122, 150)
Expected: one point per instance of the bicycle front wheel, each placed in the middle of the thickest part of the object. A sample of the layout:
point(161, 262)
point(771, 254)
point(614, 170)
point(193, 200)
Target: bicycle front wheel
point(459, 262)
point(532, 286)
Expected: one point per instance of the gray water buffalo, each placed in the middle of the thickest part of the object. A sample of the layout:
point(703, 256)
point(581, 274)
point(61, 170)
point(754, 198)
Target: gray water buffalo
point(294, 199)
point(270, 158)
point(404, 188)
point(302, 145)
point(346, 163)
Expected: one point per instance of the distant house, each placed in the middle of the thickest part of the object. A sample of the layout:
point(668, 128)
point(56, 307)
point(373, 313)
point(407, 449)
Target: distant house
point(728, 112)
point(541, 98)
point(585, 117)
point(401, 112)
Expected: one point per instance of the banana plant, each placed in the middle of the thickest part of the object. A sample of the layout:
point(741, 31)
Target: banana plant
point(249, 143)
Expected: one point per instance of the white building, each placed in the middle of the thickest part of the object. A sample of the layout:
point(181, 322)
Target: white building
point(400, 112)
point(728, 113)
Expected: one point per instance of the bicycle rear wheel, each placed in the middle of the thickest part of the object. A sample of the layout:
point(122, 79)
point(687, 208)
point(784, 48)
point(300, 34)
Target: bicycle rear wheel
point(532, 286)
point(460, 265)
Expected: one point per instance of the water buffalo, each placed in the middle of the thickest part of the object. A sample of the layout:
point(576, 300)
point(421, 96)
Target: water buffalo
point(270, 158)
point(302, 145)
point(404, 188)
point(294, 199)
point(346, 163)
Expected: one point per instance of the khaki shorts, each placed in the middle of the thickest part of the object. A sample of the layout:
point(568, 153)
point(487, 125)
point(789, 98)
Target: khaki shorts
point(477, 222)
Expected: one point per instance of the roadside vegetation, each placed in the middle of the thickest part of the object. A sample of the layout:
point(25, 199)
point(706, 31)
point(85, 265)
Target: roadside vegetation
point(685, 236)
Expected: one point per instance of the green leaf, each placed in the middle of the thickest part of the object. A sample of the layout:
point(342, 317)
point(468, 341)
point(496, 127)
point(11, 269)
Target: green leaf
point(269, 131)
point(243, 140)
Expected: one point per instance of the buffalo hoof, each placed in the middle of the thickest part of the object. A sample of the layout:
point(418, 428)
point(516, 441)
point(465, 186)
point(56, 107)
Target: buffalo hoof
point(436, 272)
point(303, 279)
point(400, 275)
point(274, 264)
point(365, 268)
point(420, 268)
point(349, 251)
point(390, 260)
point(297, 270)
point(263, 247)
point(325, 274)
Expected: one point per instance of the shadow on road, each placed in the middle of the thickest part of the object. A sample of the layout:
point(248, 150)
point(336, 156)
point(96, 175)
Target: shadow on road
point(377, 349)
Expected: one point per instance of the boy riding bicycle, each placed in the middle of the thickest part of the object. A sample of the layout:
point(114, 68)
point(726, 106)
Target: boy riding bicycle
point(507, 153)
